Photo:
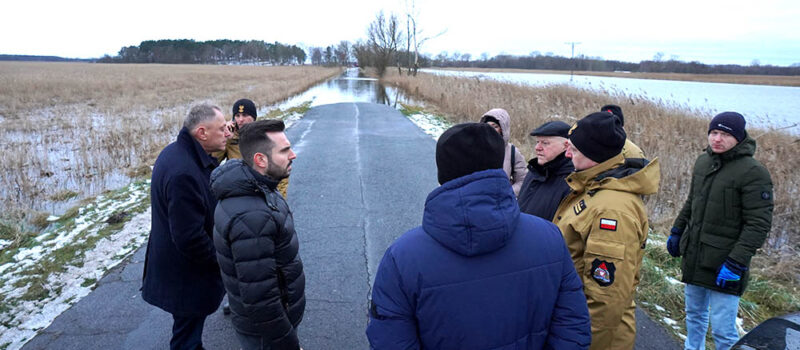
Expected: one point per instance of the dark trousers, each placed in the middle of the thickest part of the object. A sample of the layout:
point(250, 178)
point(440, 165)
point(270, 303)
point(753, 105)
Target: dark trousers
point(187, 333)
point(252, 342)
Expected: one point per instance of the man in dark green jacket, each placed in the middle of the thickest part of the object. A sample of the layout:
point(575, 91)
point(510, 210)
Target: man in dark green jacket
point(724, 221)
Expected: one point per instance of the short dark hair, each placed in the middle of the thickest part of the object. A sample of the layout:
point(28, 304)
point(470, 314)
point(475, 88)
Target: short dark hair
point(253, 138)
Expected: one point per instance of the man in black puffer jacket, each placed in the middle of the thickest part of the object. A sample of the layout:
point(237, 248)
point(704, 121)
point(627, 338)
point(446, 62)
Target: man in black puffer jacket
point(257, 247)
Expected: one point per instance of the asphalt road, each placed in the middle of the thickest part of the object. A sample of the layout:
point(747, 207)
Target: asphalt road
point(361, 177)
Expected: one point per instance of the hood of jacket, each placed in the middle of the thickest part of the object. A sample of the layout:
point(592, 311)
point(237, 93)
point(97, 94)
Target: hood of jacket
point(505, 121)
point(635, 175)
point(473, 214)
point(746, 148)
point(235, 178)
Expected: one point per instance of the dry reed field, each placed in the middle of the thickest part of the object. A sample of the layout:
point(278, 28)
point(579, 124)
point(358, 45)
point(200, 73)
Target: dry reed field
point(673, 133)
point(70, 130)
point(777, 80)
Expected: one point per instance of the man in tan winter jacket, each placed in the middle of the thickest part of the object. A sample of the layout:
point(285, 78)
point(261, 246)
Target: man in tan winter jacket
point(244, 112)
point(514, 163)
point(604, 223)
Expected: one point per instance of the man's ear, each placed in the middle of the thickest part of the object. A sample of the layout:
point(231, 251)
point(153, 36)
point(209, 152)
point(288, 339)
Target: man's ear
point(260, 160)
point(200, 133)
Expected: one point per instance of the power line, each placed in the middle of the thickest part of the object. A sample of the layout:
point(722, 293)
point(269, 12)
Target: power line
point(572, 57)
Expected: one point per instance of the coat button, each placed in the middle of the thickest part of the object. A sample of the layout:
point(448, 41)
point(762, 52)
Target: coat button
point(569, 180)
point(559, 217)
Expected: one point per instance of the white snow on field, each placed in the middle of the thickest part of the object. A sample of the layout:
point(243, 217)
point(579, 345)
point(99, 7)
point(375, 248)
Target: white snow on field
point(23, 318)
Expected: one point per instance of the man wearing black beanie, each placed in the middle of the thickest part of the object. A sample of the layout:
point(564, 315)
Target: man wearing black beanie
point(438, 283)
point(730, 205)
point(630, 149)
point(604, 222)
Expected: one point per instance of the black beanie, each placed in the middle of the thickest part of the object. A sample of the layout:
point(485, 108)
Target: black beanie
point(466, 148)
point(615, 110)
point(599, 136)
point(730, 122)
point(245, 106)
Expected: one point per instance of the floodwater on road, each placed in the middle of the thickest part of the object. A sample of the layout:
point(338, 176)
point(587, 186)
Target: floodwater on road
point(763, 105)
point(349, 87)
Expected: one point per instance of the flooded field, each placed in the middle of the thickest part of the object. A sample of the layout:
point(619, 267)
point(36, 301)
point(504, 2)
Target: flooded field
point(71, 131)
point(763, 105)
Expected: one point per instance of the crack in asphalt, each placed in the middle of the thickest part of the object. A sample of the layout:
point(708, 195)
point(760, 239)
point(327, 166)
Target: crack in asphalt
point(363, 220)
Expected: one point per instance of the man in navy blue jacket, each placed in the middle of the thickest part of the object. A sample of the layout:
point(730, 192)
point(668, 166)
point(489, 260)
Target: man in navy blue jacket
point(477, 274)
point(181, 275)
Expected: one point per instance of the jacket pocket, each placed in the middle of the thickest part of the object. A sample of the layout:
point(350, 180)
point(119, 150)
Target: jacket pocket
point(714, 250)
point(601, 260)
point(283, 288)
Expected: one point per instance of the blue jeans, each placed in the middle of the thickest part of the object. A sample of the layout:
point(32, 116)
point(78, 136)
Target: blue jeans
point(724, 308)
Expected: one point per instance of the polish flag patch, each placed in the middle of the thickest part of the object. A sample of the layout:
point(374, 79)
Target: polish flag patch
point(608, 224)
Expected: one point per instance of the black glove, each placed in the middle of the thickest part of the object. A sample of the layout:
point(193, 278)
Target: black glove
point(729, 274)
point(673, 243)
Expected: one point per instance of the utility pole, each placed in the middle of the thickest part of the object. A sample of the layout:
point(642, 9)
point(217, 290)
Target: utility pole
point(572, 58)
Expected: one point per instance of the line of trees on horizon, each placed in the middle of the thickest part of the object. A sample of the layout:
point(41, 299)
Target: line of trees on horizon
point(209, 52)
point(548, 61)
point(388, 44)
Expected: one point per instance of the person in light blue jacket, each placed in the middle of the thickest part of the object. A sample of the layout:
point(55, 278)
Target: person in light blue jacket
point(477, 274)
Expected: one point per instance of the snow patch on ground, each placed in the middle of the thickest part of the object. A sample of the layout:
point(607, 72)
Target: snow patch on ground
point(669, 321)
point(430, 124)
point(20, 319)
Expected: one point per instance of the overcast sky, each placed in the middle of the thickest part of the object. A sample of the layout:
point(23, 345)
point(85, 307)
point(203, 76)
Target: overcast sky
point(709, 31)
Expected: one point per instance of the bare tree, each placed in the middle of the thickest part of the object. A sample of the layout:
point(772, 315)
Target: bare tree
point(316, 56)
point(343, 52)
point(415, 34)
point(383, 36)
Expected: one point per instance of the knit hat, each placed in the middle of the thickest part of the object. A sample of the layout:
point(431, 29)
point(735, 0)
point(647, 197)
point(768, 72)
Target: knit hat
point(615, 110)
point(599, 136)
point(554, 128)
point(245, 106)
point(730, 122)
point(467, 148)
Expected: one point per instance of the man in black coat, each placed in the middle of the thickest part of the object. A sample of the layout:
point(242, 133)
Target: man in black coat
point(257, 247)
point(181, 275)
point(544, 186)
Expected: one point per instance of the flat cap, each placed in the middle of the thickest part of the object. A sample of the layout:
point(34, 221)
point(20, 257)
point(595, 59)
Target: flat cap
point(553, 128)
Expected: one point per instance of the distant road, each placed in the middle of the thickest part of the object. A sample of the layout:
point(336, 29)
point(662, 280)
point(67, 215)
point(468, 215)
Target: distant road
point(361, 178)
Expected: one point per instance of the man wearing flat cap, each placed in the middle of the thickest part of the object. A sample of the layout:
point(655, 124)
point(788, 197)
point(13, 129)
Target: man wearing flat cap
point(604, 223)
point(544, 186)
point(477, 274)
point(725, 219)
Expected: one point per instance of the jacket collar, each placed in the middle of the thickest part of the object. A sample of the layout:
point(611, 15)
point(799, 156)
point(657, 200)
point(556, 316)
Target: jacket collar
point(236, 178)
point(560, 165)
point(636, 176)
point(202, 158)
